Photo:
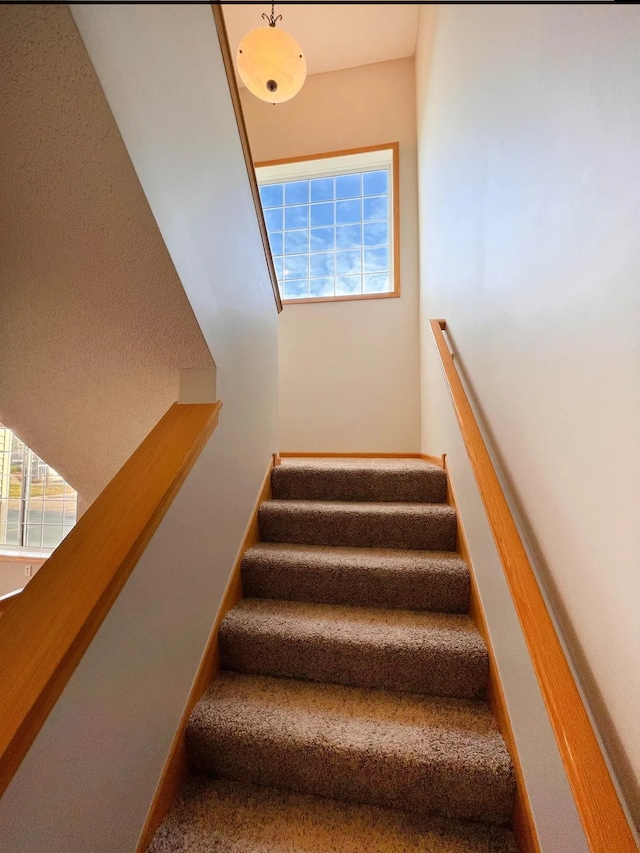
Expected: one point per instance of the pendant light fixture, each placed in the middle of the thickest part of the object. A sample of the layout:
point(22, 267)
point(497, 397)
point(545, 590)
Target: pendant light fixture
point(271, 63)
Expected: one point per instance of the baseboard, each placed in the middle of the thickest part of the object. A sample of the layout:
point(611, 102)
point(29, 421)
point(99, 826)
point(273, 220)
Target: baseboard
point(522, 819)
point(176, 765)
point(436, 460)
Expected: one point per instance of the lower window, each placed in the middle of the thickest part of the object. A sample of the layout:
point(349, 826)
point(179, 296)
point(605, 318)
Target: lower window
point(37, 507)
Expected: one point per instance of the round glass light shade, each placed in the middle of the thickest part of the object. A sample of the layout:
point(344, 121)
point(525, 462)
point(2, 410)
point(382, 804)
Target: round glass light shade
point(271, 64)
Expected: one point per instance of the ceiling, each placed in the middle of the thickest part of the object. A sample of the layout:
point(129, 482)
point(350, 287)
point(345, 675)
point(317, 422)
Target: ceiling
point(334, 35)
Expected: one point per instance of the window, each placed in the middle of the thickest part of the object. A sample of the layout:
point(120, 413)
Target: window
point(37, 507)
point(331, 223)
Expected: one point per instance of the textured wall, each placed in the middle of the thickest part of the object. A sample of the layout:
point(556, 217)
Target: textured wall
point(349, 371)
point(529, 127)
point(94, 322)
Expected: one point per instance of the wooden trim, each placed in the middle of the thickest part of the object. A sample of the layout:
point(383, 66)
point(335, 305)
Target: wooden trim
point(46, 631)
point(392, 294)
point(396, 216)
point(327, 155)
point(522, 819)
point(601, 812)
point(7, 600)
point(227, 59)
point(176, 765)
point(435, 460)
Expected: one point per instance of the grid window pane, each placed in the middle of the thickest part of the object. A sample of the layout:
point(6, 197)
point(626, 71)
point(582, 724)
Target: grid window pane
point(271, 195)
point(348, 285)
point(35, 512)
point(376, 283)
point(376, 207)
point(12, 536)
point(376, 260)
point(322, 239)
point(296, 192)
point(323, 214)
point(296, 289)
point(34, 536)
point(349, 211)
point(296, 266)
point(375, 234)
point(348, 186)
point(13, 512)
point(34, 499)
point(348, 263)
point(330, 235)
point(375, 183)
point(322, 264)
point(274, 219)
point(348, 236)
point(51, 536)
point(321, 189)
point(276, 241)
point(321, 287)
point(296, 242)
point(296, 217)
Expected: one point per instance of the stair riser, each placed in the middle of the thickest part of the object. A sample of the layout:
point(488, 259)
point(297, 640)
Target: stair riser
point(400, 590)
point(437, 671)
point(433, 530)
point(362, 776)
point(428, 486)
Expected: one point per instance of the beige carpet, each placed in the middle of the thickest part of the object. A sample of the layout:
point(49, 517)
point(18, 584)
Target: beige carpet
point(350, 714)
point(228, 817)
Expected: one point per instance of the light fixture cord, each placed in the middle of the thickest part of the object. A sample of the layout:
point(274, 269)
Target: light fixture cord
point(271, 19)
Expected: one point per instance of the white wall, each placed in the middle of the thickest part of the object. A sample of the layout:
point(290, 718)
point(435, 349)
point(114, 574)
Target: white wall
point(88, 780)
point(529, 132)
point(12, 572)
point(349, 371)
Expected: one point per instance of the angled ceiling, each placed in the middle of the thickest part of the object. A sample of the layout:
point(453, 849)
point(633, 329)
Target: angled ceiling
point(334, 35)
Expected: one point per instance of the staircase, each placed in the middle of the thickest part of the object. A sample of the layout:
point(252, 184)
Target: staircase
point(349, 715)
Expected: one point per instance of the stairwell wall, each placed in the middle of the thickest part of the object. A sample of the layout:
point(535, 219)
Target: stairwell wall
point(94, 322)
point(349, 371)
point(528, 132)
point(88, 780)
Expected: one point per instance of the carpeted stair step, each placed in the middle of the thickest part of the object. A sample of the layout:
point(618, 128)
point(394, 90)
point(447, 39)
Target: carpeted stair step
point(419, 754)
point(230, 817)
point(365, 577)
point(412, 480)
point(436, 653)
point(422, 527)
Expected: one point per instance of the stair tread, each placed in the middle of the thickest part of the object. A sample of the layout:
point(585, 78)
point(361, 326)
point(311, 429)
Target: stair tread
point(409, 721)
point(437, 653)
point(231, 817)
point(359, 479)
point(360, 524)
point(371, 746)
point(358, 624)
point(420, 580)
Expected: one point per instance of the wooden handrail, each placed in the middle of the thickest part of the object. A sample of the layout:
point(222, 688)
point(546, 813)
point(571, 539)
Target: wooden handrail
point(48, 628)
point(227, 59)
point(603, 818)
point(9, 598)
